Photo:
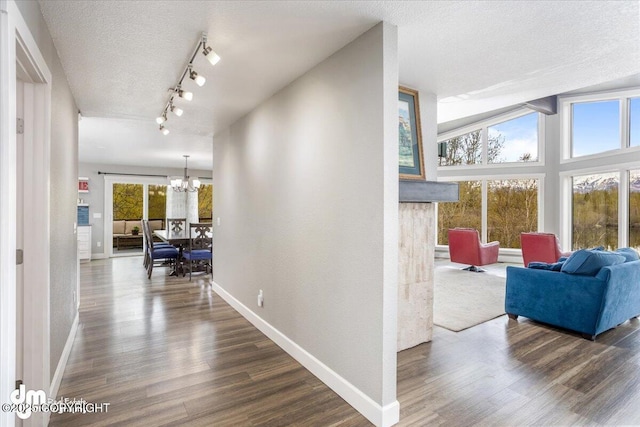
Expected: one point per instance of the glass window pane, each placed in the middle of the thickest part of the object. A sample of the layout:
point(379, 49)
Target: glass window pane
point(205, 202)
point(157, 202)
point(467, 212)
point(634, 122)
point(595, 211)
point(462, 150)
point(634, 209)
point(127, 201)
point(512, 208)
point(595, 127)
point(514, 140)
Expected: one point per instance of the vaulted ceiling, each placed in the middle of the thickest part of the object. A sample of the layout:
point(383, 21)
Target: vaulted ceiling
point(476, 56)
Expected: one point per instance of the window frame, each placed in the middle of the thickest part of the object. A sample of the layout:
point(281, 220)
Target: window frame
point(565, 104)
point(484, 220)
point(483, 126)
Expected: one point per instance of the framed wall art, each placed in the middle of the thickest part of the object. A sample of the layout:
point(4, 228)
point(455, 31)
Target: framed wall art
point(411, 163)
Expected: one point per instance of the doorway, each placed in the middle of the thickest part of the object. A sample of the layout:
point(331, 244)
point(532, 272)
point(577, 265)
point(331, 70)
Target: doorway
point(25, 84)
point(129, 200)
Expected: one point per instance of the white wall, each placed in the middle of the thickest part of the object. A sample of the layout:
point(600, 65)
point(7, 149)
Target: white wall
point(307, 195)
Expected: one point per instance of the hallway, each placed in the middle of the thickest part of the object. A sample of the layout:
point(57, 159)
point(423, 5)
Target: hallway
point(171, 352)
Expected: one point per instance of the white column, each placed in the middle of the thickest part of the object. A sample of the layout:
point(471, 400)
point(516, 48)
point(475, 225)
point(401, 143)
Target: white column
point(182, 205)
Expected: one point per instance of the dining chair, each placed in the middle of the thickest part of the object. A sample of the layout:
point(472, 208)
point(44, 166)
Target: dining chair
point(159, 254)
point(200, 247)
point(147, 233)
point(176, 225)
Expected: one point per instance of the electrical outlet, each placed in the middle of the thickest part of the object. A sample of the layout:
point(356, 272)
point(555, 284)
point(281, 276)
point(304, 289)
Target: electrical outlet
point(260, 299)
point(98, 244)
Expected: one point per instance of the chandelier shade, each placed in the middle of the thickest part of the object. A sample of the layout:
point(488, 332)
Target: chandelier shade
point(185, 183)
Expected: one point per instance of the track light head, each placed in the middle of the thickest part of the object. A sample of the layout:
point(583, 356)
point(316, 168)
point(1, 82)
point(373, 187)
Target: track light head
point(176, 110)
point(200, 80)
point(210, 55)
point(161, 119)
point(164, 130)
point(185, 94)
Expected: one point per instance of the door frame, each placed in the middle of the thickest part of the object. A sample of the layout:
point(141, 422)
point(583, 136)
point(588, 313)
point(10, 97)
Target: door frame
point(19, 49)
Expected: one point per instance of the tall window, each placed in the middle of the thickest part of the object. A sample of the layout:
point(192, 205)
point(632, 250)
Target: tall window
point(595, 210)
point(205, 202)
point(634, 122)
point(634, 209)
point(512, 208)
point(157, 202)
point(467, 212)
point(595, 127)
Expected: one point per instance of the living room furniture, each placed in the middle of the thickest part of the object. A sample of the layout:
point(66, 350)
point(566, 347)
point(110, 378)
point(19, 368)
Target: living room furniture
point(540, 247)
point(123, 237)
point(200, 251)
point(589, 300)
point(465, 247)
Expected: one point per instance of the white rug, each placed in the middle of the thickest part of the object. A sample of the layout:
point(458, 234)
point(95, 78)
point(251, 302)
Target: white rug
point(463, 299)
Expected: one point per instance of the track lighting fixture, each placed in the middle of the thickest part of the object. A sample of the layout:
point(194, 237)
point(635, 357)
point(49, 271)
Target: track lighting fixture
point(200, 80)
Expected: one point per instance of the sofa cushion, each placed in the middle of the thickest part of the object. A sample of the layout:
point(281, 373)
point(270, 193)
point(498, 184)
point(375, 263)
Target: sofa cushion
point(587, 262)
point(118, 227)
point(555, 266)
point(155, 224)
point(629, 254)
point(130, 224)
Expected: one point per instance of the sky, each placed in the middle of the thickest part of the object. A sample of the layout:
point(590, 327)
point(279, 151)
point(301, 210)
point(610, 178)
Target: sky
point(596, 126)
point(521, 136)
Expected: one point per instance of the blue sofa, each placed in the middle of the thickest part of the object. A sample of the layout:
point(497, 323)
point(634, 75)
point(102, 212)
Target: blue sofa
point(585, 303)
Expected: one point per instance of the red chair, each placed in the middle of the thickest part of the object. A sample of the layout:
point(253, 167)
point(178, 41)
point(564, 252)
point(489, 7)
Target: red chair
point(540, 247)
point(465, 248)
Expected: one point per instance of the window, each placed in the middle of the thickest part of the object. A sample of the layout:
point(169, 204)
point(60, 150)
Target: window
point(634, 209)
point(127, 201)
point(205, 202)
point(467, 212)
point(512, 208)
point(462, 150)
point(157, 202)
point(634, 122)
point(515, 140)
point(595, 127)
point(595, 210)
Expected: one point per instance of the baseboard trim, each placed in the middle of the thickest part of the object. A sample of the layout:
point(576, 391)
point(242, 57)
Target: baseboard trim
point(98, 256)
point(64, 357)
point(382, 416)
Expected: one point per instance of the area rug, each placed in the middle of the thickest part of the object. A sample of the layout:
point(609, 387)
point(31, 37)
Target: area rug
point(463, 299)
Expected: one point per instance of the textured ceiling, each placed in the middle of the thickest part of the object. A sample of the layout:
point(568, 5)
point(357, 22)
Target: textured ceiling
point(121, 57)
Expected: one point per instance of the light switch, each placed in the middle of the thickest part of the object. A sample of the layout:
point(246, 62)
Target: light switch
point(97, 215)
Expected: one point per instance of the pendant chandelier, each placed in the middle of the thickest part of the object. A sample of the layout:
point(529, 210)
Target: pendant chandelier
point(185, 183)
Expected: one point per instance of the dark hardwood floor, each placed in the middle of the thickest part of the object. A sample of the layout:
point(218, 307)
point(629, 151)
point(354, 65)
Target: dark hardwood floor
point(170, 352)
